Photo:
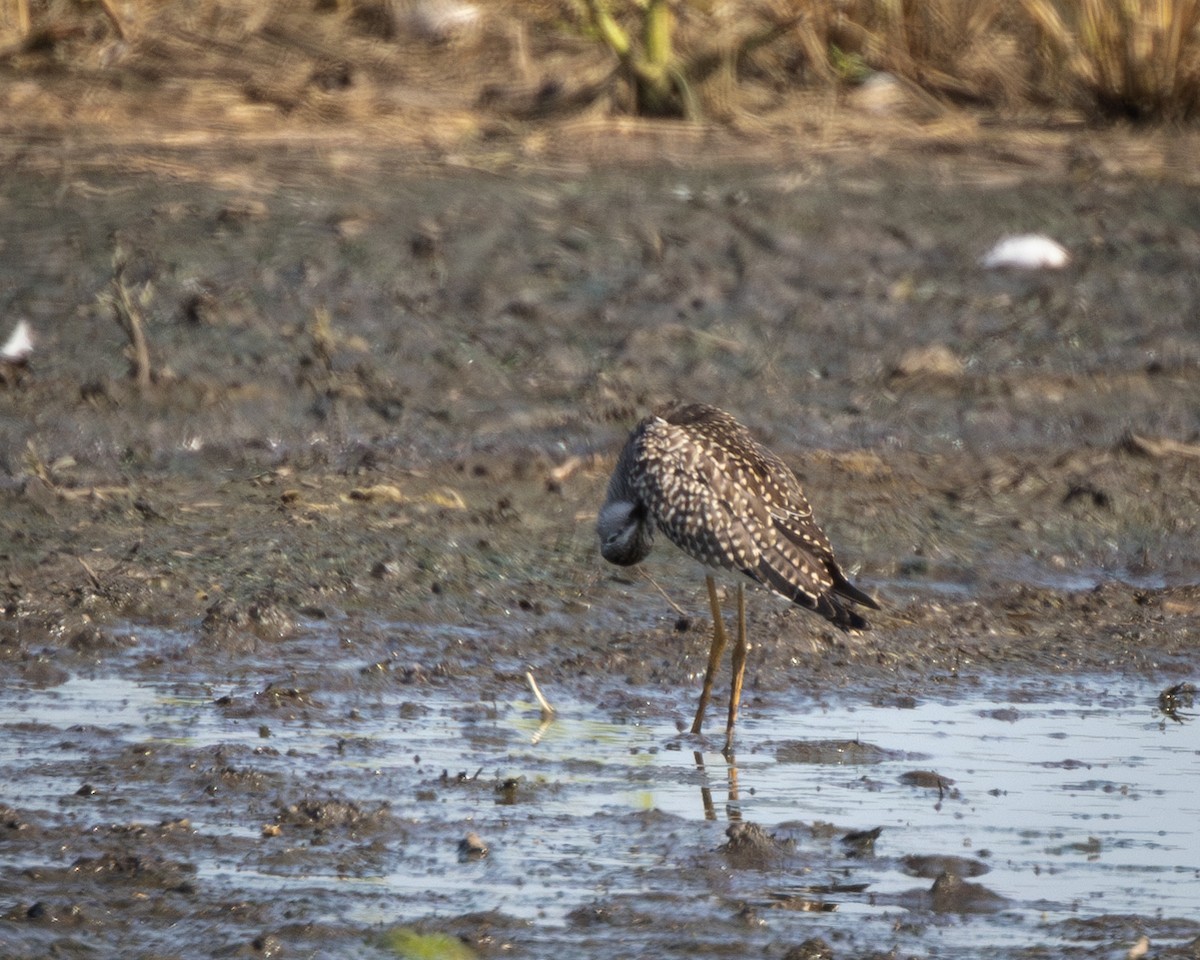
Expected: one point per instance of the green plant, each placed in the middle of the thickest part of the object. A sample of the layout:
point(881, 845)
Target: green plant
point(410, 944)
point(662, 81)
point(848, 67)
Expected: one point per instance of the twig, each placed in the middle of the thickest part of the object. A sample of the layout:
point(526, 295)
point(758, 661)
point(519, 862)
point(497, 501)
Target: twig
point(129, 317)
point(111, 12)
point(671, 603)
point(547, 710)
point(90, 572)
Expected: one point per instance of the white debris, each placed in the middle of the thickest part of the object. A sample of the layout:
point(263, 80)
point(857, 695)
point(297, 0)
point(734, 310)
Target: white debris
point(879, 93)
point(444, 21)
point(1030, 251)
point(19, 345)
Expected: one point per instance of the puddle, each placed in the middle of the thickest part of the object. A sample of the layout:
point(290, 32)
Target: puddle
point(1075, 797)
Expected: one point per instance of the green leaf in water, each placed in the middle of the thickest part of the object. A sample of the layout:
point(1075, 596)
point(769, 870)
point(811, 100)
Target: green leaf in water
point(413, 945)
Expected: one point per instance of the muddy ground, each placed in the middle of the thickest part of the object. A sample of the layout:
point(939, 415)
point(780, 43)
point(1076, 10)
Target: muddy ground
point(387, 390)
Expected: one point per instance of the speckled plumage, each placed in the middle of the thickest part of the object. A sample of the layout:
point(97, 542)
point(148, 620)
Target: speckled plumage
point(695, 473)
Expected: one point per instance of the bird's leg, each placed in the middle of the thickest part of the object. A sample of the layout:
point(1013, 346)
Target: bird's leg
point(714, 654)
point(738, 667)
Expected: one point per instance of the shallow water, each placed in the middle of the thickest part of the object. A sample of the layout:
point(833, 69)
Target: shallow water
point(1072, 798)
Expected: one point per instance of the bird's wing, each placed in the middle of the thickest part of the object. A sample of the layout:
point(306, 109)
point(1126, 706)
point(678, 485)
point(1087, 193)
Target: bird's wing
point(695, 499)
point(728, 502)
point(790, 553)
point(810, 541)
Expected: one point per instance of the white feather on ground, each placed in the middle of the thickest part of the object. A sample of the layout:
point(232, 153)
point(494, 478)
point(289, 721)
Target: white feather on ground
point(1030, 251)
point(19, 345)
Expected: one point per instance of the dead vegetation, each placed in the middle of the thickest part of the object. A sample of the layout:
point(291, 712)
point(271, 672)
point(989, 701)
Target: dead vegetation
point(1135, 60)
point(437, 69)
point(127, 306)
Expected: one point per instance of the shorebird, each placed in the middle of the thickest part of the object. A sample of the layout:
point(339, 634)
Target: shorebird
point(695, 473)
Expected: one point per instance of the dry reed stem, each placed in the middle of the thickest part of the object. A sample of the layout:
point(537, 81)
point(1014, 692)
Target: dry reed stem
point(547, 710)
point(129, 318)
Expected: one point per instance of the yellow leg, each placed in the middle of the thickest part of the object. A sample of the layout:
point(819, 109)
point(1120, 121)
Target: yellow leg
point(738, 666)
point(714, 654)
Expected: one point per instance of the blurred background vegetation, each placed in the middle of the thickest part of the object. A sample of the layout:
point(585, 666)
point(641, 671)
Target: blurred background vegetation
point(454, 61)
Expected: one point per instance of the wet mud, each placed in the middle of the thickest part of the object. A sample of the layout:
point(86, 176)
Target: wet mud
point(267, 615)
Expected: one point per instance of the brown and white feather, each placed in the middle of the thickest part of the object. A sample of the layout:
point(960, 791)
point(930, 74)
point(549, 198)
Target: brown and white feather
point(727, 501)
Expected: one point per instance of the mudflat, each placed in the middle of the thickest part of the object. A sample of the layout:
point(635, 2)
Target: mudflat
point(268, 613)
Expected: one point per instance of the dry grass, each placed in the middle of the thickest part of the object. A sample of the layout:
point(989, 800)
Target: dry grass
point(1136, 59)
point(128, 310)
point(953, 48)
point(347, 60)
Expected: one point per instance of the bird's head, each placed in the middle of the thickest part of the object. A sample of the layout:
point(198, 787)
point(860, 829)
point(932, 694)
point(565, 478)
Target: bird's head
point(625, 536)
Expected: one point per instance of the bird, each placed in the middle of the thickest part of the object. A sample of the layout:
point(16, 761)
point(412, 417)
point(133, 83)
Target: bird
point(697, 475)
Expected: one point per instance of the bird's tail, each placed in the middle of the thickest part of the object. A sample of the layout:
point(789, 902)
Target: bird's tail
point(828, 603)
point(848, 590)
point(845, 617)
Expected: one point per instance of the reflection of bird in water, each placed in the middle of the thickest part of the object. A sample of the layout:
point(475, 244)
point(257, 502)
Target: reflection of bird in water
point(698, 475)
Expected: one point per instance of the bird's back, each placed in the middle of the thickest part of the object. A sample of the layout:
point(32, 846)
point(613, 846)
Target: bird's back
point(727, 501)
